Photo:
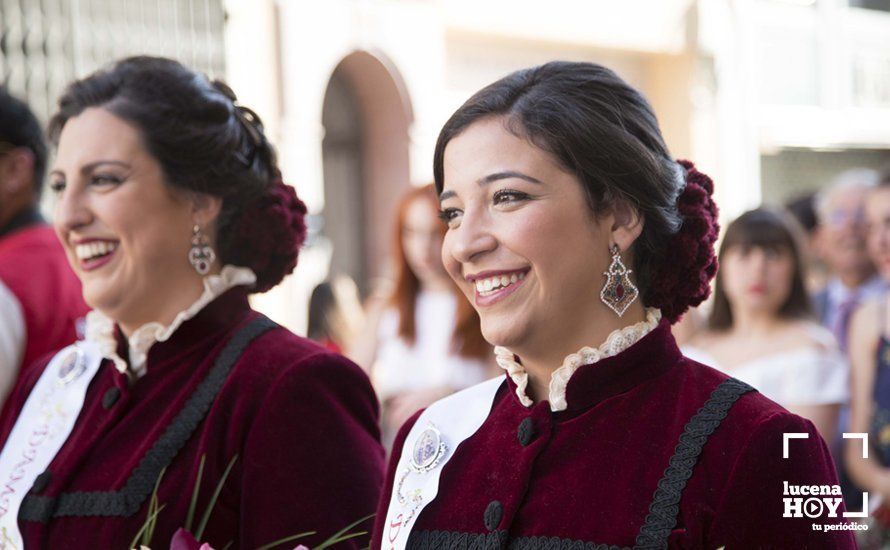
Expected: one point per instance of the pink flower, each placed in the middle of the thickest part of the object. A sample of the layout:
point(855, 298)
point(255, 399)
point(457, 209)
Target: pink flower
point(183, 540)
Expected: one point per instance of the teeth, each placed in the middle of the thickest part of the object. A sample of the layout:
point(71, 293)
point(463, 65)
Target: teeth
point(94, 249)
point(489, 285)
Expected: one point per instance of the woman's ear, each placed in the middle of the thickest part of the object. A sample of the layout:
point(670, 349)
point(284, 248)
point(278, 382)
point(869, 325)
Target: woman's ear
point(205, 209)
point(627, 224)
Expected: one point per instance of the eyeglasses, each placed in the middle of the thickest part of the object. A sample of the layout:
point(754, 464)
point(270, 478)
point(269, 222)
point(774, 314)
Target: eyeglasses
point(842, 218)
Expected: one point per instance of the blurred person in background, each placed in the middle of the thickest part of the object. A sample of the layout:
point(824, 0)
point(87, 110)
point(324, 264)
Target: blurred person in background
point(803, 208)
point(852, 280)
point(840, 243)
point(422, 341)
point(870, 396)
point(335, 313)
point(760, 329)
point(40, 297)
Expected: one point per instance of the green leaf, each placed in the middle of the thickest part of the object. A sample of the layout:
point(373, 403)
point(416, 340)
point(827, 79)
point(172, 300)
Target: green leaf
point(145, 526)
point(153, 510)
point(339, 537)
point(351, 525)
point(147, 530)
point(332, 541)
point(285, 539)
point(194, 503)
point(206, 517)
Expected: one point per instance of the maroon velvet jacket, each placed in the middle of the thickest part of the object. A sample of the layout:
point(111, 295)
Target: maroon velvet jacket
point(303, 422)
point(533, 478)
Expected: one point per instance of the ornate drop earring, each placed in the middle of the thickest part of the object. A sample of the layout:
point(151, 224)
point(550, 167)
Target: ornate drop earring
point(201, 255)
point(619, 292)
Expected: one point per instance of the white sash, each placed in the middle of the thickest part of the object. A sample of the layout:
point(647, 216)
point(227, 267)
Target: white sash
point(41, 429)
point(428, 447)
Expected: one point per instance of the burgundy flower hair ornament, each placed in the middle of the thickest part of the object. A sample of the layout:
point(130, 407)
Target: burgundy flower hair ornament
point(684, 281)
point(268, 234)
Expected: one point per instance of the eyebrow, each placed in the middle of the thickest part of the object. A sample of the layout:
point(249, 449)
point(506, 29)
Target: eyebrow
point(87, 168)
point(507, 174)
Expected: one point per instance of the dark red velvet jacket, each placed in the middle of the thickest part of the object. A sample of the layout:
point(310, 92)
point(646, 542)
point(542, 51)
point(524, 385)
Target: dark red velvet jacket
point(588, 474)
point(303, 422)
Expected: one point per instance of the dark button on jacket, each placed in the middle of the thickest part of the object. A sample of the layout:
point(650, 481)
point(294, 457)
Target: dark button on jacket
point(493, 514)
point(526, 431)
point(110, 398)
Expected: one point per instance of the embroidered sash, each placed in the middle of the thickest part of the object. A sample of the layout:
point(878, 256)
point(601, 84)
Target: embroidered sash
point(428, 447)
point(43, 426)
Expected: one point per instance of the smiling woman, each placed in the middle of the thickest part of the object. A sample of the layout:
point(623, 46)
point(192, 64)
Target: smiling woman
point(172, 211)
point(579, 239)
point(121, 224)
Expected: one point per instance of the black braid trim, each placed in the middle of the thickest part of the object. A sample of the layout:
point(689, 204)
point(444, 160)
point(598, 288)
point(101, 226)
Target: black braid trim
point(453, 540)
point(665, 507)
point(496, 540)
point(556, 543)
point(128, 501)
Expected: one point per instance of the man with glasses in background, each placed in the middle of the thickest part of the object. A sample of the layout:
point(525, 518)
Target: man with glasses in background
point(852, 280)
point(40, 297)
point(840, 243)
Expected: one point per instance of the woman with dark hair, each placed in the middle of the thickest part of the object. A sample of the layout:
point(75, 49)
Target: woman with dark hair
point(335, 313)
point(172, 210)
point(579, 240)
point(760, 329)
point(423, 340)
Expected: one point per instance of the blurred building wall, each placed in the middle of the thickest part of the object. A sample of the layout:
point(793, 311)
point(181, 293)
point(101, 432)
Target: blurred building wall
point(801, 91)
point(44, 44)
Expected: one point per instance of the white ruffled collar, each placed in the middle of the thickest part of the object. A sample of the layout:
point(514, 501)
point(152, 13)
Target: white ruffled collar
point(618, 341)
point(100, 328)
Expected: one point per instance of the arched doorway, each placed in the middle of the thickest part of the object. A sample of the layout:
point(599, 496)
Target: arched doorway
point(366, 117)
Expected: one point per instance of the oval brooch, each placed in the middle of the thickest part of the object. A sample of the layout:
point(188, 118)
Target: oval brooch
point(73, 365)
point(428, 450)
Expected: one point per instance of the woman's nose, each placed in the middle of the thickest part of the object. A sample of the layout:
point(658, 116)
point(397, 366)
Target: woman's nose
point(72, 211)
point(471, 238)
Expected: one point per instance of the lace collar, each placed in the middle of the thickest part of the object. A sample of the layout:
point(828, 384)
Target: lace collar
point(101, 329)
point(618, 341)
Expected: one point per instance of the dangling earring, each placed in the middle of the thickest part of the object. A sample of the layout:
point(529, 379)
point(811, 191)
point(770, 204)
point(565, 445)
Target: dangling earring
point(619, 291)
point(201, 256)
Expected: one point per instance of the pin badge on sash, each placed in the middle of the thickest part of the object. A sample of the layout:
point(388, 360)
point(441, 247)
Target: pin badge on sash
point(428, 450)
point(72, 367)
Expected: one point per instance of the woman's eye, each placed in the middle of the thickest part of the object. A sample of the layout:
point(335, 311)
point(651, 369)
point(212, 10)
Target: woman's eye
point(105, 179)
point(448, 215)
point(509, 195)
point(57, 186)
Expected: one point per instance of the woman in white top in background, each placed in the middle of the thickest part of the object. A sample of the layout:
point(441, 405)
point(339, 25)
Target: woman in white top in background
point(423, 339)
point(760, 331)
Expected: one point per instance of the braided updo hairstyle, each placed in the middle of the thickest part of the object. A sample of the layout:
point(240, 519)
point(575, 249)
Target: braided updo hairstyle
point(205, 142)
point(604, 132)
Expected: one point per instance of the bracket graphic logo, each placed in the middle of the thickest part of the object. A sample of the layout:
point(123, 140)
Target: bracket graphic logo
point(813, 501)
